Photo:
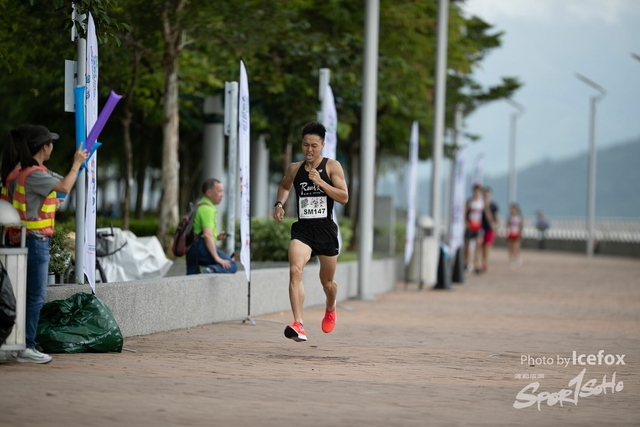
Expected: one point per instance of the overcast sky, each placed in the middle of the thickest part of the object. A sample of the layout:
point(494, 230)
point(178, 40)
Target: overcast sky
point(545, 43)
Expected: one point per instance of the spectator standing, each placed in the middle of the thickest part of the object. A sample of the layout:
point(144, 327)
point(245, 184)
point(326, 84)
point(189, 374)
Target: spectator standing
point(35, 199)
point(515, 224)
point(473, 224)
point(542, 225)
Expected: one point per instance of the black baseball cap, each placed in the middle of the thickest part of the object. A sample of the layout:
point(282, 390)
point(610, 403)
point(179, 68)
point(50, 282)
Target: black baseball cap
point(37, 136)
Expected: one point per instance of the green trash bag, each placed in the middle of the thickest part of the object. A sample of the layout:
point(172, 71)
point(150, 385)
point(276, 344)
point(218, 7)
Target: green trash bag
point(81, 323)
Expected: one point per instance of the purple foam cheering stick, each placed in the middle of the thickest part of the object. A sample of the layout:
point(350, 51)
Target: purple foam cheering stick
point(102, 119)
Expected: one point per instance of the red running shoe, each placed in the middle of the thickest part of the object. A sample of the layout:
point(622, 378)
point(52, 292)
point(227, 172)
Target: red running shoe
point(329, 320)
point(295, 331)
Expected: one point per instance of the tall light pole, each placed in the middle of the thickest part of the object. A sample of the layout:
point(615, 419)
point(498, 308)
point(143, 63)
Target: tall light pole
point(368, 147)
point(513, 173)
point(439, 115)
point(457, 130)
point(591, 186)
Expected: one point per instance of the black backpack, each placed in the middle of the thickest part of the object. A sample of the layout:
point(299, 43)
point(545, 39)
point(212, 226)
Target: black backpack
point(184, 236)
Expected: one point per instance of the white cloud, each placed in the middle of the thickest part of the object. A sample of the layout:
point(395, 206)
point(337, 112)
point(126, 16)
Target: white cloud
point(569, 11)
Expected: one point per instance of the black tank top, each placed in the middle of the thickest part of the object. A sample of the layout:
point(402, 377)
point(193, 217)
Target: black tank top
point(313, 203)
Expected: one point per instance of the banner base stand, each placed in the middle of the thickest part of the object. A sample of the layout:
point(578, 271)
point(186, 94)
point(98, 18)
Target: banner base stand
point(253, 321)
point(249, 319)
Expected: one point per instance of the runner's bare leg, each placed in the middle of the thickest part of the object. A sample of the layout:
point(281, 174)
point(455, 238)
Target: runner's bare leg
point(486, 250)
point(327, 271)
point(477, 255)
point(299, 254)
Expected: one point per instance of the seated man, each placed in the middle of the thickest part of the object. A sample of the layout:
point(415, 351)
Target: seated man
point(204, 252)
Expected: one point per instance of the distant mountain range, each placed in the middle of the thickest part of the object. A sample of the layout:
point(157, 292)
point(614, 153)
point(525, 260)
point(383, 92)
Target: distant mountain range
point(559, 188)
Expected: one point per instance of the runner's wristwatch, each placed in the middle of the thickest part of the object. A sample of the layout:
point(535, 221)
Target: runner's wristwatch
point(278, 203)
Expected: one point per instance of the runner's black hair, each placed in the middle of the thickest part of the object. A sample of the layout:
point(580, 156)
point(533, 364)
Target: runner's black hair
point(314, 128)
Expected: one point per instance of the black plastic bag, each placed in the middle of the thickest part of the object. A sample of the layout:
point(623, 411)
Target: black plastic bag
point(81, 323)
point(7, 305)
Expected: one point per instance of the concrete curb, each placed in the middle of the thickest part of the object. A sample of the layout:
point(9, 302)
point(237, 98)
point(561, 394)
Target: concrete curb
point(155, 305)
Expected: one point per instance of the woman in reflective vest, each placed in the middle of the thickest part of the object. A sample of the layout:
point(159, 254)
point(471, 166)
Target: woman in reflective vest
point(35, 199)
point(9, 170)
point(11, 162)
point(9, 181)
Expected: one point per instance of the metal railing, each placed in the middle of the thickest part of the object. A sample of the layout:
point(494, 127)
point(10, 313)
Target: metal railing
point(572, 228)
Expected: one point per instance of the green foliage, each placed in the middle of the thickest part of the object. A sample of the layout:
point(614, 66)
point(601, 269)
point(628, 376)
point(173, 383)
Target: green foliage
point(3, 55)
point(270, 240)
point(59, 249)
point(283, 43)
point(401, 235)
point(346, 231)
point(101, 10)
point(143, 227)
point(147, 226)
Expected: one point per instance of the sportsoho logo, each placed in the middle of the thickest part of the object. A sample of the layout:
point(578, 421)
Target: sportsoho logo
point(578, 388)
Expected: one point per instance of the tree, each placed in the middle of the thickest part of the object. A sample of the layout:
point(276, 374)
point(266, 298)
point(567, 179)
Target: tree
point(330, 34)
point(179, 51)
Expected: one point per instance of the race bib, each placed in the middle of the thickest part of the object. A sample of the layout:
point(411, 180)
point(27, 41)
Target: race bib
point(313, 207)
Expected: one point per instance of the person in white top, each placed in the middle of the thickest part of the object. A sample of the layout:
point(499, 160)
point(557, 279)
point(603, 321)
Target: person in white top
point(473, 222)
point(514, 236)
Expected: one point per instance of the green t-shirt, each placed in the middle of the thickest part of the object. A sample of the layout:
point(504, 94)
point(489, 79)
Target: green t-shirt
point(206, 216)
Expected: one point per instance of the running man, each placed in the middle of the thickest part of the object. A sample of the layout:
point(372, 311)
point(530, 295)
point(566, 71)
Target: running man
point(318, 182)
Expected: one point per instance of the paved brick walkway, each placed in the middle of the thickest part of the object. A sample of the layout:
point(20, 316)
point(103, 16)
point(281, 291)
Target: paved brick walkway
point(409, 359)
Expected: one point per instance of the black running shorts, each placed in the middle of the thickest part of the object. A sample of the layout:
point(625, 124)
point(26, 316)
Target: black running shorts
point(321, 236)
point(468, 234)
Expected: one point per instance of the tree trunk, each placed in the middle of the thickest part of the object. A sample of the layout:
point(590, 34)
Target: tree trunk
point(170, 129)
point(184, 172)
point(190, 171)
point(141, 176)
point(128, 165)
point(126, 140)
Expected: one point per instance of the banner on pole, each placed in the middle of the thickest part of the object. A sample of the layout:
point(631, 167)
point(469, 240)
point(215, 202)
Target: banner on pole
point(330, 121)
point(411, 194)
point(91, 116)
point(329, 118)
point(244, 167)
point(457, 204)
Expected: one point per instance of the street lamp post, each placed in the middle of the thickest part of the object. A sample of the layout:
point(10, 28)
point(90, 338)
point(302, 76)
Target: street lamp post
point(591, 186)
point(513, 173)
point(368, 147)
